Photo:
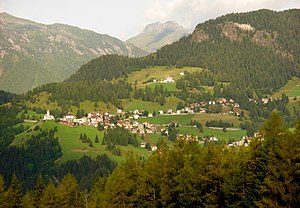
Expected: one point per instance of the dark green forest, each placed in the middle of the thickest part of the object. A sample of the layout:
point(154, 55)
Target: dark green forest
point(264, 174)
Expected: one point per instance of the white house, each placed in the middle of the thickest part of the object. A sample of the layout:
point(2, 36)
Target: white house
point(168, 79)
point(143, 144)
point(150, 115)
point(48, 117)
point(181, 73)
point(69, 116)
point(136, 116)
point(153, 148)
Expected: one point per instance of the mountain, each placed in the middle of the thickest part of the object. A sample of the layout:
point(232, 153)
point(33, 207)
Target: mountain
point(32, 54)
point(243, 49)
point(157, 35)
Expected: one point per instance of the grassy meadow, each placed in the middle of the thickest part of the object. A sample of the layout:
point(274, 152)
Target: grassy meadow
point(291, 89)
point(72, 146)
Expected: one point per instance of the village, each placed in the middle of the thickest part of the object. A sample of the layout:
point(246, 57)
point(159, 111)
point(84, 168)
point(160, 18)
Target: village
point(129, 120)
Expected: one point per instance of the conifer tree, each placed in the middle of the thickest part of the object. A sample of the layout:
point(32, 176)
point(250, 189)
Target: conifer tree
point(68, 192)
point(96, 139)
point(49, 198)
point(2, 192)
point(38, 190)
point(14, 193)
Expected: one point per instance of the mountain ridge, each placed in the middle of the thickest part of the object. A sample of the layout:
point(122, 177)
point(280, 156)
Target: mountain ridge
point(32, 54)
point(157, 35)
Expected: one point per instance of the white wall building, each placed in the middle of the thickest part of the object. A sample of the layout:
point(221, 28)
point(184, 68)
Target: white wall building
point(48, 117)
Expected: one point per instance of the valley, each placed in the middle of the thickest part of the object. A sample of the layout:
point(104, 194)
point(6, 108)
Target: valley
point(206, 121)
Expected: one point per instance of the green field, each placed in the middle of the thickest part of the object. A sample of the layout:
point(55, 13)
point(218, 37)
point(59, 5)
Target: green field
point(203, 117)
point(230, 134)
point(72, 146)
point(158, 72)
point(166, 119)
point(220, 134)
point(42, 101)
point(291, 89)
point(168, 86)
point(189, 130)
point(89, 106)
point(135, 104)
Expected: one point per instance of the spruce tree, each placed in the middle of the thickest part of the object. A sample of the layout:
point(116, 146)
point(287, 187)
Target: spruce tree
point(2, 192)
point(14, 193)
point(38, 190)
point(96, 139)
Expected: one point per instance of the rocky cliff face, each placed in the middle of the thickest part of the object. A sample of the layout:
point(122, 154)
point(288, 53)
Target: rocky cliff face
point(157, 35)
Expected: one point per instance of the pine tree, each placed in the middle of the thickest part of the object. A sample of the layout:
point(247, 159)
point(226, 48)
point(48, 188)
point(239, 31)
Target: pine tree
point(85, 138)
point(49, 198)
point(97, 196)
point(90, 143)
point(68, 192)
point(38, 191)
point(96, 139)
point(2, 192)
point(14, 193)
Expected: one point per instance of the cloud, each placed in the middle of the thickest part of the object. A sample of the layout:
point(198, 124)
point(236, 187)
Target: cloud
point(156, 11)
point(191, 12)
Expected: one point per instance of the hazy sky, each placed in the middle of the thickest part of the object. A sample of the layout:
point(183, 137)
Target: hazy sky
point(126, 18)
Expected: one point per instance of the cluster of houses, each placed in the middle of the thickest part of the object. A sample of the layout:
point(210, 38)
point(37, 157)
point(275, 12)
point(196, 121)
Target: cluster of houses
point(202, 106)
point(244, 141)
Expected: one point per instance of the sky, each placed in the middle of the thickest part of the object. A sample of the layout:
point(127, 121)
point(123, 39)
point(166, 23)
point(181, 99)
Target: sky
point(126, 18)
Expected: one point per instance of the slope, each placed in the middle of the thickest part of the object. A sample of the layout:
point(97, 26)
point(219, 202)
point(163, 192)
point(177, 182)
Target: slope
point(32, 54)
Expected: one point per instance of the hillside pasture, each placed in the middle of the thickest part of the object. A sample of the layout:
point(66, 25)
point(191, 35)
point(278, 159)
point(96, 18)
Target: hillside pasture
point(291, 89)
point(203, 117)
point(158, 73)
point(171, 103)
point(73, 147)
point(182, 119)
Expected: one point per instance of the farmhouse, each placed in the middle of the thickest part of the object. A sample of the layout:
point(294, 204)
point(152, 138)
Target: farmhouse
point(168, 79)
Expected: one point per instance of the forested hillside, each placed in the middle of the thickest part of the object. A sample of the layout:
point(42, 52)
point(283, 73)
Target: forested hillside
point(243, 49)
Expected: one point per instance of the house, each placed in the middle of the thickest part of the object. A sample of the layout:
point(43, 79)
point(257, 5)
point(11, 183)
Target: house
point(48, 117)
point(81, 121)
point(265, 100)
point(69, 116)
point(143, 144)
point(153, 148)
point(136, 116)
point(119, 111)
point(161, 112)
point(150, 115)
point(213, 139)
point(135, 123)
point(236, 105)
point(168, 79)
point(178, 112)
point(181, 73)
point(211, 102)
